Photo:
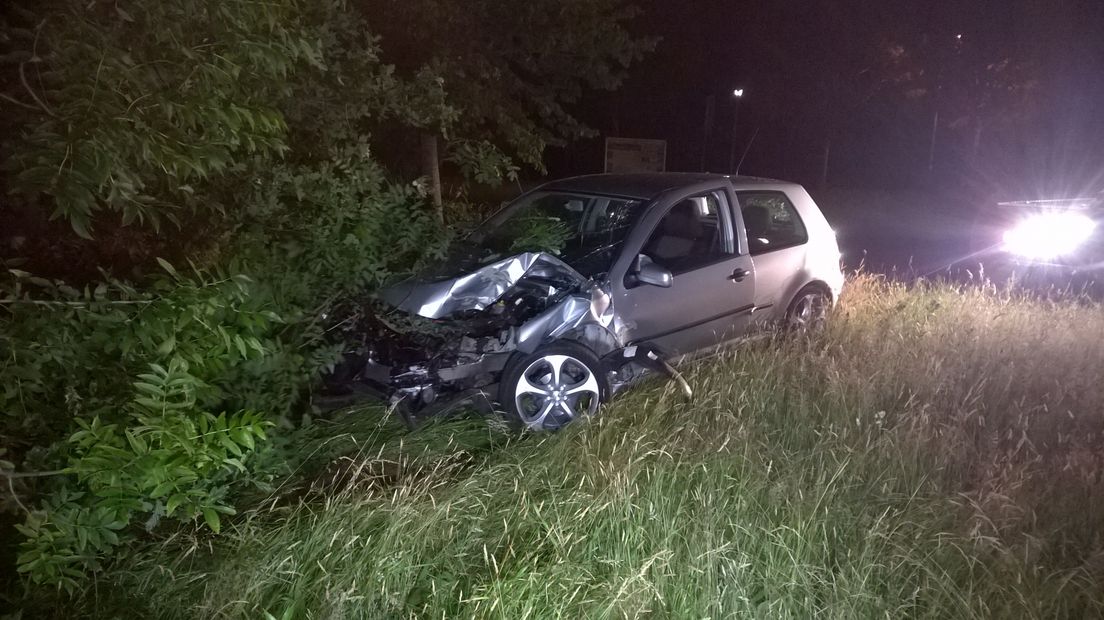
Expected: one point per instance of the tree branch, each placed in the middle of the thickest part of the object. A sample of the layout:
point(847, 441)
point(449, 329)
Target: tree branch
point(31, 474)
point(75, 304)
point(15, 496)
point(12, 475)
point(17, 102)
point(26, 85)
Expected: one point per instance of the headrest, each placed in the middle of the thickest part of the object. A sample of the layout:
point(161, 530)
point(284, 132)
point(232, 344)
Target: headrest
point(757, 220)
point(683, 221)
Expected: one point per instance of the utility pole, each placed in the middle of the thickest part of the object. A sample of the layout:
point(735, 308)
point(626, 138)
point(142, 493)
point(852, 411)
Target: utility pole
point(737, 94)
point(432, 168)
point(707, 129)
point(931, 150)
point(824, 168)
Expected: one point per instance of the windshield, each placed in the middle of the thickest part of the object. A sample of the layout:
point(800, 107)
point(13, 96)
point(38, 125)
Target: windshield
point(585, 231)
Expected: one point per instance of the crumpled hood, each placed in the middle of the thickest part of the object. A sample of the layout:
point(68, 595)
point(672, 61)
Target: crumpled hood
point(478, 290)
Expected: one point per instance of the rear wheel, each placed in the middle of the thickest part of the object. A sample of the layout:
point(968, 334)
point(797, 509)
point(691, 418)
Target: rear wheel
point(808, 311)
point(552, 386)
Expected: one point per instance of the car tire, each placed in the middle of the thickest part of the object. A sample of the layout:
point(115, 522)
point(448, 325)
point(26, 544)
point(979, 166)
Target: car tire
point(552, 386)
point(808, 311)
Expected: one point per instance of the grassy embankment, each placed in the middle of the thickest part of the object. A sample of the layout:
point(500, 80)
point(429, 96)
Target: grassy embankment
point(936, 453)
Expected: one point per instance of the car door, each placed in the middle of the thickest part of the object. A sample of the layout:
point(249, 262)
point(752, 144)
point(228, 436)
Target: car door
point(778, 243)
point(711, 297)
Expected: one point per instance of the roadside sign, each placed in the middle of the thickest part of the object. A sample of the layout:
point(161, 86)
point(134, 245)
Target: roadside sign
point(633, 155)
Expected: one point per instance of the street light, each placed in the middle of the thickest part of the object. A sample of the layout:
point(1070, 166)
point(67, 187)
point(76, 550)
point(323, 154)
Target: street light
point(737, 94)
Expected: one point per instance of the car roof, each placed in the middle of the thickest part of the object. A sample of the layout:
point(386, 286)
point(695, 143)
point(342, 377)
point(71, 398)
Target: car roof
point(645, 186)
point(1084, 203)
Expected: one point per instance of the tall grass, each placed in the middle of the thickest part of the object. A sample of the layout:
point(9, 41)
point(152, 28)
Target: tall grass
point(936, 453)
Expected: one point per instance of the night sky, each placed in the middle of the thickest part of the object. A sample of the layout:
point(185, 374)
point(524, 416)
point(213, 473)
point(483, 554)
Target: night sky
point(812, 77)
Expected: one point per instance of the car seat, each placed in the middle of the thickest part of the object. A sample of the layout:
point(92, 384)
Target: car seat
point(680, 232)
point(757, 222)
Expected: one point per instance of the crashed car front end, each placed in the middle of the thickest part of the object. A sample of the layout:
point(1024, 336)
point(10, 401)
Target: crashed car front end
point(434, 345)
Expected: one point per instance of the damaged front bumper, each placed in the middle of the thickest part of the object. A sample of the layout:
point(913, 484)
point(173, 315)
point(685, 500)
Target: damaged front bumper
point(416, 385)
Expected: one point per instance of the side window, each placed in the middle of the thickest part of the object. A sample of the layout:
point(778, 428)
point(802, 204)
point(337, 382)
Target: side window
point(691, 235)
point(771, 221)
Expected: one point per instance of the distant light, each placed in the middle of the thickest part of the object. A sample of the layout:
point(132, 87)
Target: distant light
point(958, 36)
point(1049, 235)
point(739, 92)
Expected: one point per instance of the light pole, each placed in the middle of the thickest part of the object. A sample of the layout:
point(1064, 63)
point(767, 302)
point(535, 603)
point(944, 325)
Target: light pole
point(737, 94)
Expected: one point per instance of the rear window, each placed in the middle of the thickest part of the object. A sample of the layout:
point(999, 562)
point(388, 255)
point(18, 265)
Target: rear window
point(771, 221)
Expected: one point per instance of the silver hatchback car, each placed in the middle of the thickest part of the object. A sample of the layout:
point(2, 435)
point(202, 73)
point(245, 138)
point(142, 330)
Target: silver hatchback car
point(585, 285)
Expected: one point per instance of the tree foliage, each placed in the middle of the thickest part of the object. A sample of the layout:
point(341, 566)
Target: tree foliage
point(152, 402)
point(138, 374)
point(973, 88)
point(136, 102)
point(255, 129)
point(512, 70)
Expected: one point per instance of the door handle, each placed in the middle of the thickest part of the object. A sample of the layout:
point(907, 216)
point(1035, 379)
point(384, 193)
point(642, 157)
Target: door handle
point(739, 274)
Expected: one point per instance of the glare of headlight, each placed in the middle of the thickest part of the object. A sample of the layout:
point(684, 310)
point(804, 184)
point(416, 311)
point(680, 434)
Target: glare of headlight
point(1048, 235)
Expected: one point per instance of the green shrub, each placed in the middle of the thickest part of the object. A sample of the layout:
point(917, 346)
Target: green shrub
point(134, 374)
point(71, 353)
point(152, 402)
point(332, 228)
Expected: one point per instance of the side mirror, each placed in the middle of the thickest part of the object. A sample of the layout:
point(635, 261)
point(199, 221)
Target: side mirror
point(655, 275)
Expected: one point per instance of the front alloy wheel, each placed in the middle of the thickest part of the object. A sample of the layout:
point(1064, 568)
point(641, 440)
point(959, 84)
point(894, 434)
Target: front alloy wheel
point(553, 386)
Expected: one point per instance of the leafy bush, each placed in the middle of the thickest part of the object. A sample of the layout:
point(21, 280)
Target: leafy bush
point(155, 110)
point(75, 351)
point(154, 401)
point(135, 374)
point(332, 228)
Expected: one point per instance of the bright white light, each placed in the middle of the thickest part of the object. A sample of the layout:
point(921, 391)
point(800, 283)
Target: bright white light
point(739, 92)
point(1048, 235)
